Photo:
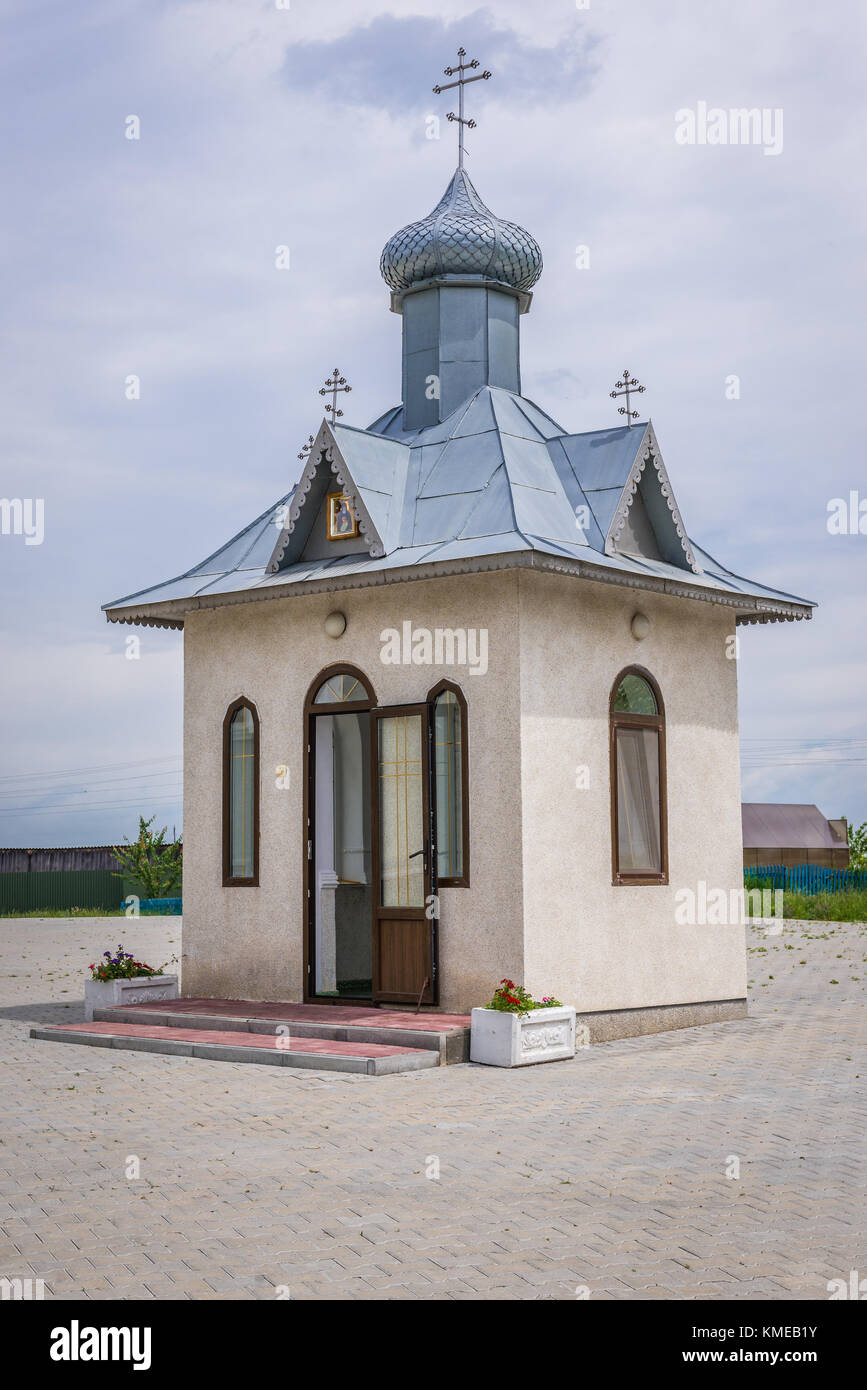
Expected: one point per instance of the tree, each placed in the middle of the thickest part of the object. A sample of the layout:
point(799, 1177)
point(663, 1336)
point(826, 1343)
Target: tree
point(857, 846)
point(155, 865)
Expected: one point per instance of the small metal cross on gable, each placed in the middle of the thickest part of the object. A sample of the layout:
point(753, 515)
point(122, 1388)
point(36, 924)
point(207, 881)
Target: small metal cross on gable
point(629, 385)
point(305, 448)
point(460, 83)
point(333, 384)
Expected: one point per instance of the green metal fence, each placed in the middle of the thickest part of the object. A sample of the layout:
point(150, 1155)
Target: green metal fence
point(64, 888)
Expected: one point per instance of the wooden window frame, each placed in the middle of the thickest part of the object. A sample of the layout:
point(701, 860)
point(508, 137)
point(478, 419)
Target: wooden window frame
point(341, 668)
point(619, 719)
point(230, 880)
point(463, 881)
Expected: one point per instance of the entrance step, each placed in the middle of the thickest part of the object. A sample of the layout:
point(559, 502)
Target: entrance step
point(446, 1035)
point(225, 1044)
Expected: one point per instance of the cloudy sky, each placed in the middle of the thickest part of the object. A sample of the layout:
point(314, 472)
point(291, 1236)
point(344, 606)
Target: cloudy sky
point(304, 125)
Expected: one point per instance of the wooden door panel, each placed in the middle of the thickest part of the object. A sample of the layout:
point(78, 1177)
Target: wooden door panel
point(403, 953)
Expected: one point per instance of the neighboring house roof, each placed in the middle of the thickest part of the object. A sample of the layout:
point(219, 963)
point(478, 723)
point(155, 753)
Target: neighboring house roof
point(767, 825)
point(59, 858)
point(60, 849)
point(497, 484)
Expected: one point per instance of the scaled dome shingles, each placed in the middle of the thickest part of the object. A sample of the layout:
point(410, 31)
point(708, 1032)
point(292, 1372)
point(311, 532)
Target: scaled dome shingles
point(461, 237)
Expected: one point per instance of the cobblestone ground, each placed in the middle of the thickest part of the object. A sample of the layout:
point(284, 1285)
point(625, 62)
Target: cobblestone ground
point(607, 1174)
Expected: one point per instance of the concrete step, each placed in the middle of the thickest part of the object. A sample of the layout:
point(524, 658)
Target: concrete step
point(228, 1045)
point(448, 1035)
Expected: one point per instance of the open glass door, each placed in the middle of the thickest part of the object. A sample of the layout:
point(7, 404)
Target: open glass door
point(338, 878)
point(404, 917)
point(340, 857)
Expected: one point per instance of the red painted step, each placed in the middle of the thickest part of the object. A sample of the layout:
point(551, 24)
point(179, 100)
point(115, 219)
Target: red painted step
point(371, 1058)
point(310, 1013)
point(265, 1040)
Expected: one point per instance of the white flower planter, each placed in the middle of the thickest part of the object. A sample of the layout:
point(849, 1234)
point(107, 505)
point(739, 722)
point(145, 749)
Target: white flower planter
point(141, 989)
point(518, 1040)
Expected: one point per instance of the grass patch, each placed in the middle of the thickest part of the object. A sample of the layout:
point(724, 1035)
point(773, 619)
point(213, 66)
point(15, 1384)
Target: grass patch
point(65, 912)
point(826, 907)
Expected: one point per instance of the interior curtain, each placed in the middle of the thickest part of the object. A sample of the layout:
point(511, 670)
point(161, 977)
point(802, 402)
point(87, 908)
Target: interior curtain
point(241, 793)
point(638, 800)
point(401, 818)
point(447, 741)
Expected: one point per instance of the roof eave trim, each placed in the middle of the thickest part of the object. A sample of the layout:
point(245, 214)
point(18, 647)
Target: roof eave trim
point(751, 609)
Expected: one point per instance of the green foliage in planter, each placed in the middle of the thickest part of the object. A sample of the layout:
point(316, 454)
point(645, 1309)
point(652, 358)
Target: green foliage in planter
point(122, 966)
point(514, 999)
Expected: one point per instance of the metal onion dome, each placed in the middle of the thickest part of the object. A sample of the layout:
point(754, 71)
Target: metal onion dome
point(461, 237)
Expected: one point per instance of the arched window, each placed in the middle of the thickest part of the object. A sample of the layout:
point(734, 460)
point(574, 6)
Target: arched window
point(241, 795)
point(342, 685)
point(638, 812)
point(450, 772)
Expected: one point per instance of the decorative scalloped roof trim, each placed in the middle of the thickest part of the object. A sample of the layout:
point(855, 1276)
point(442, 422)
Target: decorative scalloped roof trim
point(759, 610)
point(136, 621)
point(325, 451)
point(648, 452)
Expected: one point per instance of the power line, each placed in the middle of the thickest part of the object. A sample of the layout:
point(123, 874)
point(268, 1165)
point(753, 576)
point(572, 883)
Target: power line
point(805, 762)
point(109, 781)
point(100, 767)
point(830, 745)
point(786, 749)
point(84, 810)
point(802, 752)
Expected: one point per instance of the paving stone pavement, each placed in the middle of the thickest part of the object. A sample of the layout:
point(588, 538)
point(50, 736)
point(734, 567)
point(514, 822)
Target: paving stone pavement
point(605, 1176)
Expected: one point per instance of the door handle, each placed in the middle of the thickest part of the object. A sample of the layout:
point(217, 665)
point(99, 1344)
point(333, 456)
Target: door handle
point(416, 855)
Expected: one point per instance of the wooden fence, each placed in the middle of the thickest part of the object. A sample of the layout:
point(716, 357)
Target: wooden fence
point(809, 878)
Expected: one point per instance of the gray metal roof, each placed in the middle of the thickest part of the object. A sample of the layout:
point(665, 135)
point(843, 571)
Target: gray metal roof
point(461, 237)
point(767, 825)
point(496, 484)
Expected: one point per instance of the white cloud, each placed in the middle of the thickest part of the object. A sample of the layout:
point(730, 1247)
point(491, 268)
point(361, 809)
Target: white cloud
point(157, 257)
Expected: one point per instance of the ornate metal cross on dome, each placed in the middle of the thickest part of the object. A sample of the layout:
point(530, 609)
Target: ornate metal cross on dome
point(629, 385)
point(460, 83)
point(333, 384)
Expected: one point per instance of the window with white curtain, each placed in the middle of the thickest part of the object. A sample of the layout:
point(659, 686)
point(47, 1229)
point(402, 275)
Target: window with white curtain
point(450, 784)
point(638, 812)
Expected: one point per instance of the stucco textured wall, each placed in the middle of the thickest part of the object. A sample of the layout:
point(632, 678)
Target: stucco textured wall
point(588, 942)
point(541, 907)
point(247, 942)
